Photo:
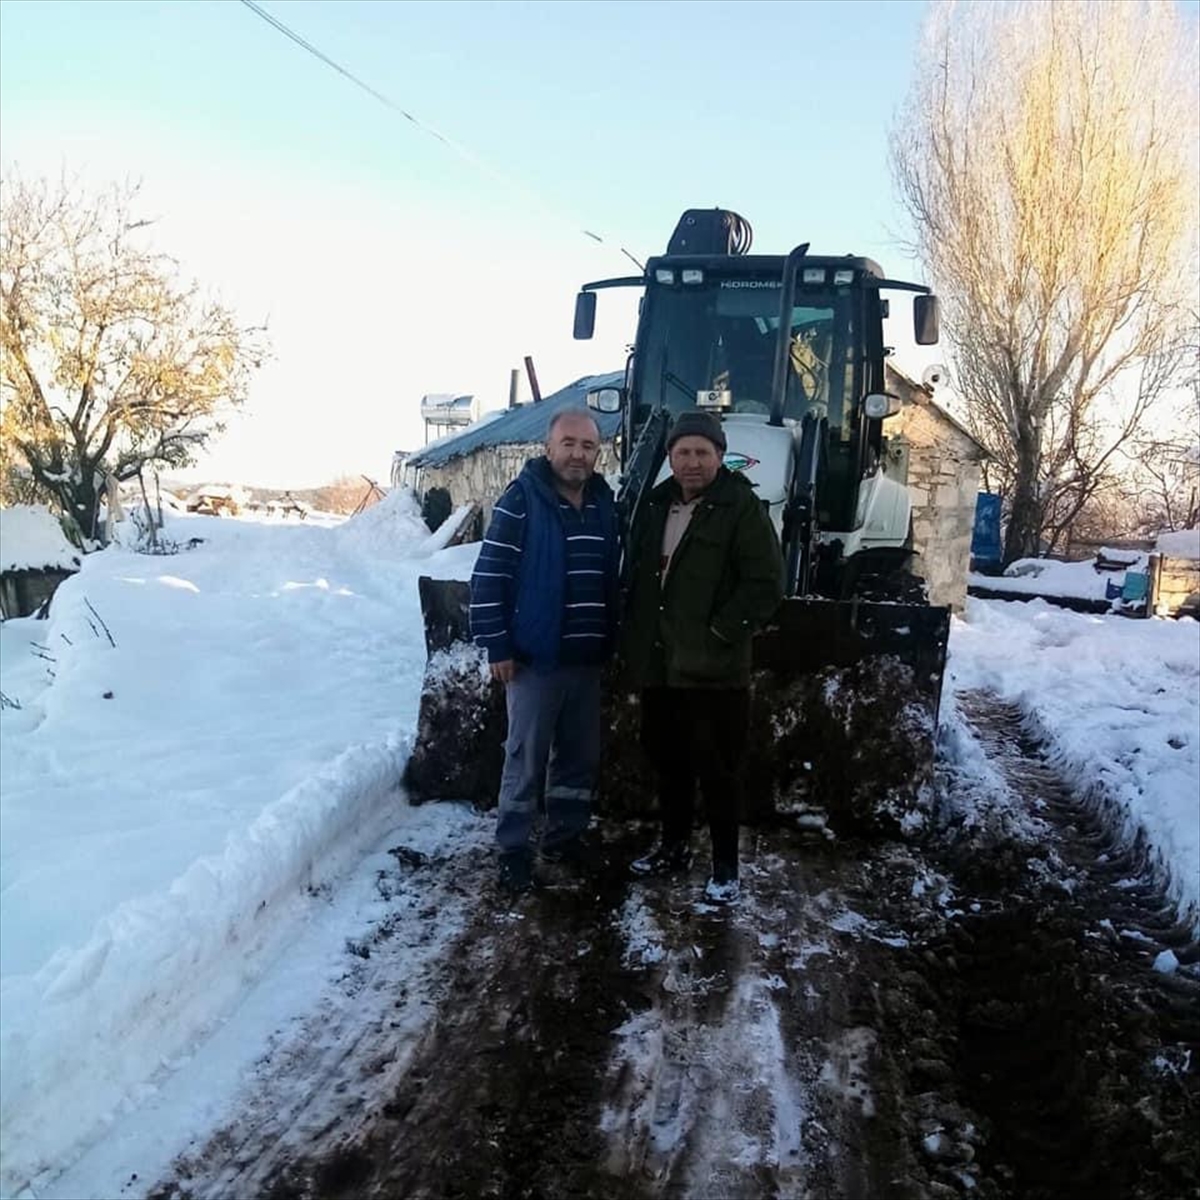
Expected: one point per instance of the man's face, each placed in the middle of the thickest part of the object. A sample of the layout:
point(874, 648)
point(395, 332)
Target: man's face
point(572, 448)
point(695, 462)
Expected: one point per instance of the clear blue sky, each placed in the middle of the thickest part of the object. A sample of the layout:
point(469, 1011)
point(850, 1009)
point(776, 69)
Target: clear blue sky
point(622, 113)
point(389, 265)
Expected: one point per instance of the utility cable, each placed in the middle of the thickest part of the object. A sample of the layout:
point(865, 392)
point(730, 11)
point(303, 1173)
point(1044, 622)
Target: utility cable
point(423, 126)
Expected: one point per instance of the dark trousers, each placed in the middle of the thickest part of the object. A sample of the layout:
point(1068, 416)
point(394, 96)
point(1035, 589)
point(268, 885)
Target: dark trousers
point(698, 735)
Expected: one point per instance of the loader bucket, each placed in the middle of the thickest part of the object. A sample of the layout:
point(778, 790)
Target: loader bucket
point(461, 722)
point(843, 716)
point(844, 712)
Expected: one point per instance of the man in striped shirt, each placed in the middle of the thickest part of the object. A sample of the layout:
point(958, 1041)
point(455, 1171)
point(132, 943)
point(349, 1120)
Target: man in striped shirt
point(544, 607)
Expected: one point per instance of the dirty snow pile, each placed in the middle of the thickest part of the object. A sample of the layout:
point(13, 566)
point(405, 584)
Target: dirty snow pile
point(1117, 700)
point(31, 538)
point(187, 745)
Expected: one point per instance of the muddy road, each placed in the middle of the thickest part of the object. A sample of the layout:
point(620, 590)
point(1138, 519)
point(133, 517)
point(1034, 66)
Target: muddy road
point(977, 1016)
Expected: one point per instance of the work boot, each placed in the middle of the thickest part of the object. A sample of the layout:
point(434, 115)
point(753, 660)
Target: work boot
point(516, 873)
point(576, 853)
point(723, 887)
point(667, 858)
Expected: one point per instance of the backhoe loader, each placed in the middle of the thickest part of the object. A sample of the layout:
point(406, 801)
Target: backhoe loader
point(788, 352)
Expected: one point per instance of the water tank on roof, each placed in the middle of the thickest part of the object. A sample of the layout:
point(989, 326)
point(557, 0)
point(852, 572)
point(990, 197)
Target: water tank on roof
point(443, 408)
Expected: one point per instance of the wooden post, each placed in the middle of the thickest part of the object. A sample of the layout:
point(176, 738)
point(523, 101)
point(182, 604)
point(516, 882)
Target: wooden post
point(1154, 583)
point(514, 382)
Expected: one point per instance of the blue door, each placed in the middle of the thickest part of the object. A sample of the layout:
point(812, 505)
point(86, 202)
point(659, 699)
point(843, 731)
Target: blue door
point(986, 547)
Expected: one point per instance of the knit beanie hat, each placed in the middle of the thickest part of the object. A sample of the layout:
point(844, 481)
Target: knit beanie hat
point(697, 423)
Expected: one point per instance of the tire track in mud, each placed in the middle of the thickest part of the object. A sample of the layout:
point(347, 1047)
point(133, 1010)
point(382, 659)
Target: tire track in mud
point(712, 1053)
point(754, 1072)
point(500, 1098)
point(1081, 1059)
point(320, 1080)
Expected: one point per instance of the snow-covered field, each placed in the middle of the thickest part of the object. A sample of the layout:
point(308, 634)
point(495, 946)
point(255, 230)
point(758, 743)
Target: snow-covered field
point(201, 737)
point(171, 799)
point(1118, 699)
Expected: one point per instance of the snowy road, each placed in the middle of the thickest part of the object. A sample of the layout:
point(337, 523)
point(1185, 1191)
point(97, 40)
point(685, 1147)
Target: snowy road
point(1004, 1033)
point(590, 1040)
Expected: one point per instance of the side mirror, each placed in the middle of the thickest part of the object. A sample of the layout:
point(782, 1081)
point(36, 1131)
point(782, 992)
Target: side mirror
point(606, 400)
point(585, 315)
point(926, 320)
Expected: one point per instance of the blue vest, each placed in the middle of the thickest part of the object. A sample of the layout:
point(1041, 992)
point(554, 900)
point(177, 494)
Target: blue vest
point(541, 582)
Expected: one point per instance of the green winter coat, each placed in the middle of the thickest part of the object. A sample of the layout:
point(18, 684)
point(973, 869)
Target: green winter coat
point(725, 582)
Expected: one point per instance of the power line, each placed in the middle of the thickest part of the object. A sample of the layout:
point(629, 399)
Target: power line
point(424, 127)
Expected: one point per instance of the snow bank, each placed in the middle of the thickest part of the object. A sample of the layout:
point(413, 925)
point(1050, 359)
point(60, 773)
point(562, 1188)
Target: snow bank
point(167, 795)
point(440, 537)
point(1182, 543)
point(1119, 703)
point(31, 539)
point(85, 1035)
point(391, 529)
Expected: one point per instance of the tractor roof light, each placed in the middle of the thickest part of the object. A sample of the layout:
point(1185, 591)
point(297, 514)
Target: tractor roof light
point(692, 275)
point(843, 277)
point(664, 275)
point(814, 274)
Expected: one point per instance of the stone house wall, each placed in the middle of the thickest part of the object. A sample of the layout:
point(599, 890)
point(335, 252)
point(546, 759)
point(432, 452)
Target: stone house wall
point(944, 467)
point(481, 477)
point(1175, 584)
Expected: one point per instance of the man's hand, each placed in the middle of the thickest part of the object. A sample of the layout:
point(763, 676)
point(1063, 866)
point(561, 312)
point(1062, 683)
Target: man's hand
point(504, 671)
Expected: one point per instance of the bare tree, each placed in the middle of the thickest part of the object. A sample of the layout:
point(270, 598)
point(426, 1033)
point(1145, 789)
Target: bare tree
point(110, 362)
point(348, 494)
point(1164, 475)
point(1047, 156)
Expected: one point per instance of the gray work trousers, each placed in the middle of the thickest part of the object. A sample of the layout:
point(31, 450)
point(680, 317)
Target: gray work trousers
point(553, 733)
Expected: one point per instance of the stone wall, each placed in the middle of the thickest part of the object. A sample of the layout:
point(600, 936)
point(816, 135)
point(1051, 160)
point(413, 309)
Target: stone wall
point(482, 476)
point(943, 479)
point(1175, 584)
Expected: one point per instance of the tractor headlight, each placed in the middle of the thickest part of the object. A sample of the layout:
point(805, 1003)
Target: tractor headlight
point(879, 405)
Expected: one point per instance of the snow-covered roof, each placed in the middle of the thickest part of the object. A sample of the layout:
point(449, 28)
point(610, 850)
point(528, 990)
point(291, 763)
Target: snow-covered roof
point(31, 539)
point(1180, 543)
point(219, 491)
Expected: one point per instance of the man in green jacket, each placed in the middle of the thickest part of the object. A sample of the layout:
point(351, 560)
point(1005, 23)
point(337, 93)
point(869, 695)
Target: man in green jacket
point(707, 571)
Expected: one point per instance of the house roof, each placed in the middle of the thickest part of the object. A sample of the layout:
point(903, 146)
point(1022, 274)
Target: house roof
point(34, 540)
point(528, 423)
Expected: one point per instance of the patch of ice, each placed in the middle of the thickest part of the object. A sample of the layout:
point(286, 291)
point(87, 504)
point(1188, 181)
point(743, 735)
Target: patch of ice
point(643, 938)
point(1166, 963)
